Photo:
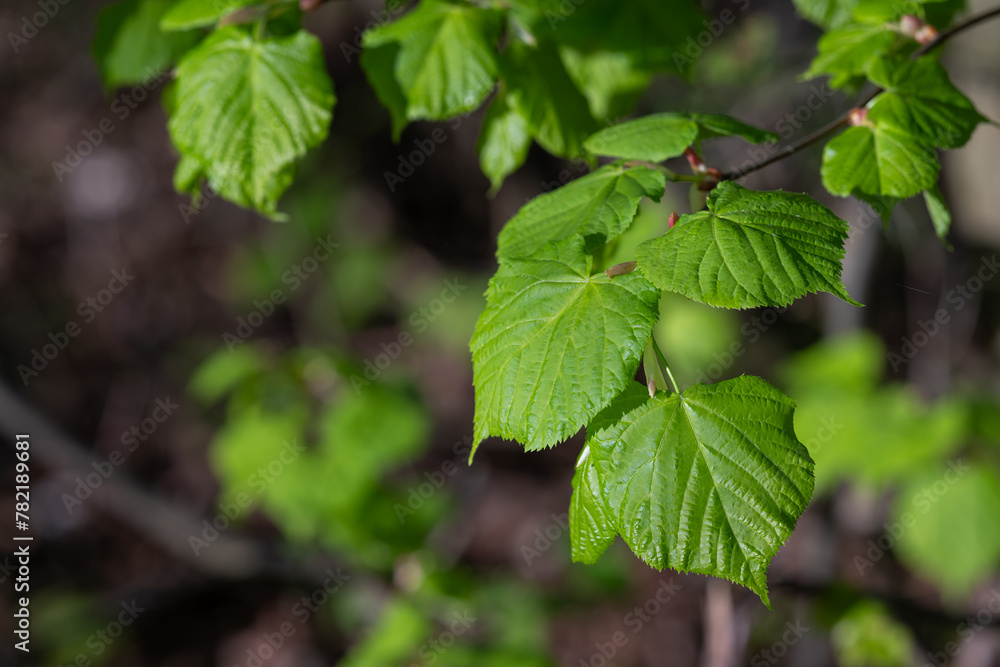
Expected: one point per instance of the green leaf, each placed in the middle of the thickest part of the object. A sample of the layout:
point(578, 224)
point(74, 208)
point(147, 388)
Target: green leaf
point(844, 53)
point(556, 344)
point(858, 431)
point(921, 92)
point(713, 125)
point(592, 524)
point(248, 110)
point(938, 210)
point(950, 532)
point(503, 142)
point(609, 80)
point(602, 203)
point(876, 159)
point(936, 12)
point(710, 481)
point(541, 90)
point(189, 14)
point(221, 373)
point(379, 64)
point(869, 635)
point(446, 64)
point(749, 249)
point(394, 639)
point(826, 13)
point(653, 36)
point(882, 205)
point(875, 438)
point(592, 528)
point(360, 438)
point(128, 43)
point(188, 177)
point(654, 138)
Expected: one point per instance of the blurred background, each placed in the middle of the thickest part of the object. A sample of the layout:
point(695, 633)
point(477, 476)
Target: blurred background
point(249, 439)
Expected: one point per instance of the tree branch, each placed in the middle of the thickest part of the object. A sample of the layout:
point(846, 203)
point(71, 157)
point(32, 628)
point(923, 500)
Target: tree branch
point(836, 125)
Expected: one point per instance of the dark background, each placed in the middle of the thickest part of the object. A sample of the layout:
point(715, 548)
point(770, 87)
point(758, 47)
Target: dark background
point(63, 237)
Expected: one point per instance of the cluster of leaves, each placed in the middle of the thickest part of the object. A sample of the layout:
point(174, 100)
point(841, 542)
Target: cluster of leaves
point(248, 100)
point(940, 460)
point(890, 152)
point(492, 623)
point(314, 454)
point(709, 480)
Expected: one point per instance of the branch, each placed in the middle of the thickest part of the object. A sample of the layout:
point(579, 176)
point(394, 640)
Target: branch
point(955, 29)
point(836, 125)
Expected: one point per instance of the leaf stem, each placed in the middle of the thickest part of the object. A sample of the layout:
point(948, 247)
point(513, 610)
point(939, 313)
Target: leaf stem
point(663, 362)
point(838, 124)
point(671, 175)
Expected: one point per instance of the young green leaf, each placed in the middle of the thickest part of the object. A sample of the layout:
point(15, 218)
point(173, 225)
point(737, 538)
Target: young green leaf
point(654, 138)
point(953, 538)
point(379, 64)
point(592, 523)
point(592, 527)
point(447, 63)
point(541, 90)
point(190, 14)
point(879, 158)
point(883, 205)
point(713, 125)
point(749, 249)
point(247, 110)
point(503, 141)
point(938, 210)
point(129, 45)
point(602, 203)
point(609, 80)
point(710, 481)
point(556, 344)
point(827, 14)
point(921, 92)
point(844, 53)
point(655, 38)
